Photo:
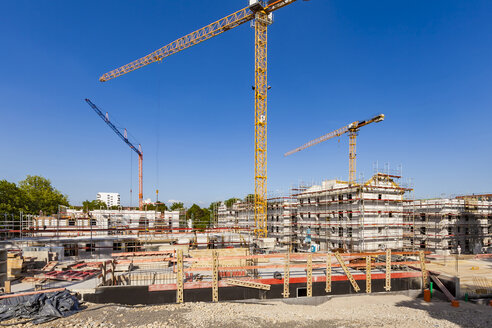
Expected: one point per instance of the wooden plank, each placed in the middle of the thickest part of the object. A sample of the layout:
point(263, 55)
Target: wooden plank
point(301, 256)
point(247, 283)
point(301, 265)
point(442, 288)
point(347, 272)
point(33, 293)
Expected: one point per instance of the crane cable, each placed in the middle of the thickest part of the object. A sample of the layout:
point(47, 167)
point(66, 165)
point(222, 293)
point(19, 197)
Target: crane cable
point(157, 129)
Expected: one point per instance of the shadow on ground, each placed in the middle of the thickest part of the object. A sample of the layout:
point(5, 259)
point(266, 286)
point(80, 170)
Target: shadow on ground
point(466, 315)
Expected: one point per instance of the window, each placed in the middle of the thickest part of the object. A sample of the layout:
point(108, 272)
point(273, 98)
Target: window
point(117, 247)
point(390, 214)
point(380, 196)
point(350, 215)
point(349, 232)
point(93, 222)
point(70, 250)
point(340, 232)
point(71, 222)
point(90, 247)
point(349, 196)
point(422, 217)
point(380, 229)
point(422, 230)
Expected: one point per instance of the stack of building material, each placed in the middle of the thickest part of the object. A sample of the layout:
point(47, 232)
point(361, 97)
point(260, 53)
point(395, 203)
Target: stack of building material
point(14, 265)
point(205, 257)
point(71, 275)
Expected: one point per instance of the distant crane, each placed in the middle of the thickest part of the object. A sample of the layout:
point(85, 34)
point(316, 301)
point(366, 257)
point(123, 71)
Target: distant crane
point(124, 137)
point(260, 12)
point(352, 129)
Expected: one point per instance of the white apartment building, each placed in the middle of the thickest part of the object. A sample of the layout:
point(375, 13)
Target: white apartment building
point(109, 198)
point(353, 217)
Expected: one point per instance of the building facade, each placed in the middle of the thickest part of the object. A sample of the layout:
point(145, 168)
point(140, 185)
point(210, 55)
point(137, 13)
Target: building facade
point(109, 198)
point(441, 225)
point(353, 217)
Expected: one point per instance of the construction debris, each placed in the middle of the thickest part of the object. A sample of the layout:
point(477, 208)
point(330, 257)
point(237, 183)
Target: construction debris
point(39, 308)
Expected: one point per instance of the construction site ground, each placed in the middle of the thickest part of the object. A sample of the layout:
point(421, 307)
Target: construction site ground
point(377, 310)
point(474, 273)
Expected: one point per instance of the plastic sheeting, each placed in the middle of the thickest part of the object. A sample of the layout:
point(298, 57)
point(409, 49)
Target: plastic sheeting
point(39, 307)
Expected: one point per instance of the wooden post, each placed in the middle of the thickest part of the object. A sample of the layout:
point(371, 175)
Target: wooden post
point(286, 292)
point(215, 274)
point(179, 277)
point(387, 285)
point(328, 273)
point(309, 273)
point(113, 275)
point(422, 268)
point(7, 288)
point(104, 272)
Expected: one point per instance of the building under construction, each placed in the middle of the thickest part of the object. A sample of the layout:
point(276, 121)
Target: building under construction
point(441, 225)
point(354, 217)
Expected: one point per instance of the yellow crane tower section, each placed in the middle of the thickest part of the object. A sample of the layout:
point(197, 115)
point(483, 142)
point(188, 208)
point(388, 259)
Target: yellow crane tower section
point(261, 12)
point(352, 129)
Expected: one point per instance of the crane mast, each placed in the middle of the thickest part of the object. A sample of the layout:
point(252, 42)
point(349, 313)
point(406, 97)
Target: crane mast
point(260, 12)
point(352, 129)
point(124, 137)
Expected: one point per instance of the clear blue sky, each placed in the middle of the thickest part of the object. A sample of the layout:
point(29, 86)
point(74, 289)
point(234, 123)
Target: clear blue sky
point(425, 64)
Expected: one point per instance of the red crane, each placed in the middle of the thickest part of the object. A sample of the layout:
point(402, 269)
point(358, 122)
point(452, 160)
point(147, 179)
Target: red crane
point(124, 137)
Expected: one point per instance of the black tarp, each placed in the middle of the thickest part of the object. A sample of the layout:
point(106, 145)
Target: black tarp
point(39, 308)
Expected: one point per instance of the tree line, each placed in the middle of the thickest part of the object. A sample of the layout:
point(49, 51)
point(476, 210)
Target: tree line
point(34, 195)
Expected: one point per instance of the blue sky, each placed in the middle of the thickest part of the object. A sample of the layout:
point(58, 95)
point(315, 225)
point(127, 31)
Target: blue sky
point(424, 64)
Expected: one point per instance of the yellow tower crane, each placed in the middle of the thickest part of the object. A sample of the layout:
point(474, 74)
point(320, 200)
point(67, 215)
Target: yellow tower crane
point(352, 129)
point(261, 13)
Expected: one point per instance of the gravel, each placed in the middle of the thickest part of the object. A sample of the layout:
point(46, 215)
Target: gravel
point(347, 312)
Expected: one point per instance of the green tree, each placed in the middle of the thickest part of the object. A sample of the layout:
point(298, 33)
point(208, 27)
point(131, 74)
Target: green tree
point(250, 198)
point(12, 199)
point(159, 207)
point(41, 195)
point(177, 206)
point(199, 216)
point(91, 205)
point(214, 206)
point(231, 201)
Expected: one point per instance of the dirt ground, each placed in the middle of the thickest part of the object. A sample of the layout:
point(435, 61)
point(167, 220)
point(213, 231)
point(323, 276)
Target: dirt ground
point(353, 311)
point(475, 274)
